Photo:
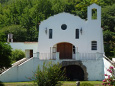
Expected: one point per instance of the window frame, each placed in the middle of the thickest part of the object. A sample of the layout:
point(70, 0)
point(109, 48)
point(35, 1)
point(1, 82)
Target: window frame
point(93, 45)
point(50, 33)
point(63, 26)
point(76, 33)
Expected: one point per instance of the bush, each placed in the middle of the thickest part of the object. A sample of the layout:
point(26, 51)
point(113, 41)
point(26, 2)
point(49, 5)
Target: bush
point(110, 79)
point(86, 84)
point(17, 54)
point(5, 54)
point(1, 84)
point(49, 75)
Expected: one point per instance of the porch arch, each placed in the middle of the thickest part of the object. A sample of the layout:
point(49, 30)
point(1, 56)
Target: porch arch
point(66, 50)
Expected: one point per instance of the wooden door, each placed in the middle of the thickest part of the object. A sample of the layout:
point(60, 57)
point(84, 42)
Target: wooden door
point(65, 50)
point(31, 53)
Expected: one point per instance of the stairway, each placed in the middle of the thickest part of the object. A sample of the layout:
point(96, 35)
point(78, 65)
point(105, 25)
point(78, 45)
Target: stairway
point(112, 62)
point(14, 64)
point(107, 64)
point(19, 62)
point(20, 71)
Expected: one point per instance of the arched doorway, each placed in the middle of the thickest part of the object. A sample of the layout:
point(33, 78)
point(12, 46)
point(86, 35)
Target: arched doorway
point(74, 72)
point(65, 50)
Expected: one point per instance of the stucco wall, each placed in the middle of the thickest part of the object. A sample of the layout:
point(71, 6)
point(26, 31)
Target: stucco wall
point(95, 69)
point(24, 71)
point(107, 64)
point(91, 31)
point(25, 46)
point(113, 59)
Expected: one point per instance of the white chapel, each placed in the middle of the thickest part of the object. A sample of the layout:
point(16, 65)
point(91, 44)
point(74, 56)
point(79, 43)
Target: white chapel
point(75, 43)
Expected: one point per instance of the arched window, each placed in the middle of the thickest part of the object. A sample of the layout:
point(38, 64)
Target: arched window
point(94, 45)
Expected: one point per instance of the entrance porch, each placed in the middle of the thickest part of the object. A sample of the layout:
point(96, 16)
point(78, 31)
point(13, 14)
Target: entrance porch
point(67, 51)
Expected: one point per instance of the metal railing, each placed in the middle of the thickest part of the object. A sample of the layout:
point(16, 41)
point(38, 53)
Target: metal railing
point(76, 56)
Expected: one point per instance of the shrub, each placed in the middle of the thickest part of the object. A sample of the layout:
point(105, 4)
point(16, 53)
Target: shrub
point(5, 54)
point(49, 75)
point(110, 80)
point(1, 84)
point(17, 55)
point(86, 84)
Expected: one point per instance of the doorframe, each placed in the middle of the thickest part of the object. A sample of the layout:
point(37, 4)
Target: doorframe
point(67, 43)
point(27, 53)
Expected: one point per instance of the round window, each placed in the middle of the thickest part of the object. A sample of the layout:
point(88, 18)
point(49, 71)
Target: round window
point(63, 26)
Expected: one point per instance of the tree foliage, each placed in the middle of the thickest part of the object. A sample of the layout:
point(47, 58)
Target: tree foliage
point(5, 55)
point(49, 75)
point(18, 32)
point(17, 55)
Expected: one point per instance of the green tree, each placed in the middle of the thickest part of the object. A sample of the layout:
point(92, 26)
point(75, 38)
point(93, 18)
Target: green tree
point(108, 17)
point(109, 38)
point(19, 33)
point(81, 7)
point(58, 6)
point(5, 55)
point(70, 6)
point(17, 55)
point(49, 75)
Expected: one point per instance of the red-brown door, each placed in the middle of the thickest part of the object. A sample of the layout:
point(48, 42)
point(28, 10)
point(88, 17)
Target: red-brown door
point(65, 50)
point(31, 53)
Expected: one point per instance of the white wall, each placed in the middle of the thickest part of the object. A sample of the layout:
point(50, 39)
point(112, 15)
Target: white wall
point(26, 70)
point(27, 52)
point(92, 31)
point(113, 59)
point(25, 46)
point(107, 64)
point(95, 69)
point(18, 73)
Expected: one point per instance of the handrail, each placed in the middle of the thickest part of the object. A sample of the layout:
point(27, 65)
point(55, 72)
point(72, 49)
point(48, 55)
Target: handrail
point(19, 62)
point(2, 70)
point(109, 60)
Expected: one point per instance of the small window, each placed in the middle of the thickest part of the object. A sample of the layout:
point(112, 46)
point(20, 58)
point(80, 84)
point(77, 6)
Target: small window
point(73, 49)
point(94, 45)
point(77, 34)
point(50, 33)
point(63, 26)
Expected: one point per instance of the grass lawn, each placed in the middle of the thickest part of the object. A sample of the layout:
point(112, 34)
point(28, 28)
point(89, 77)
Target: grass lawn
point(65, 83)
point(73, 83)
point(18, 83)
